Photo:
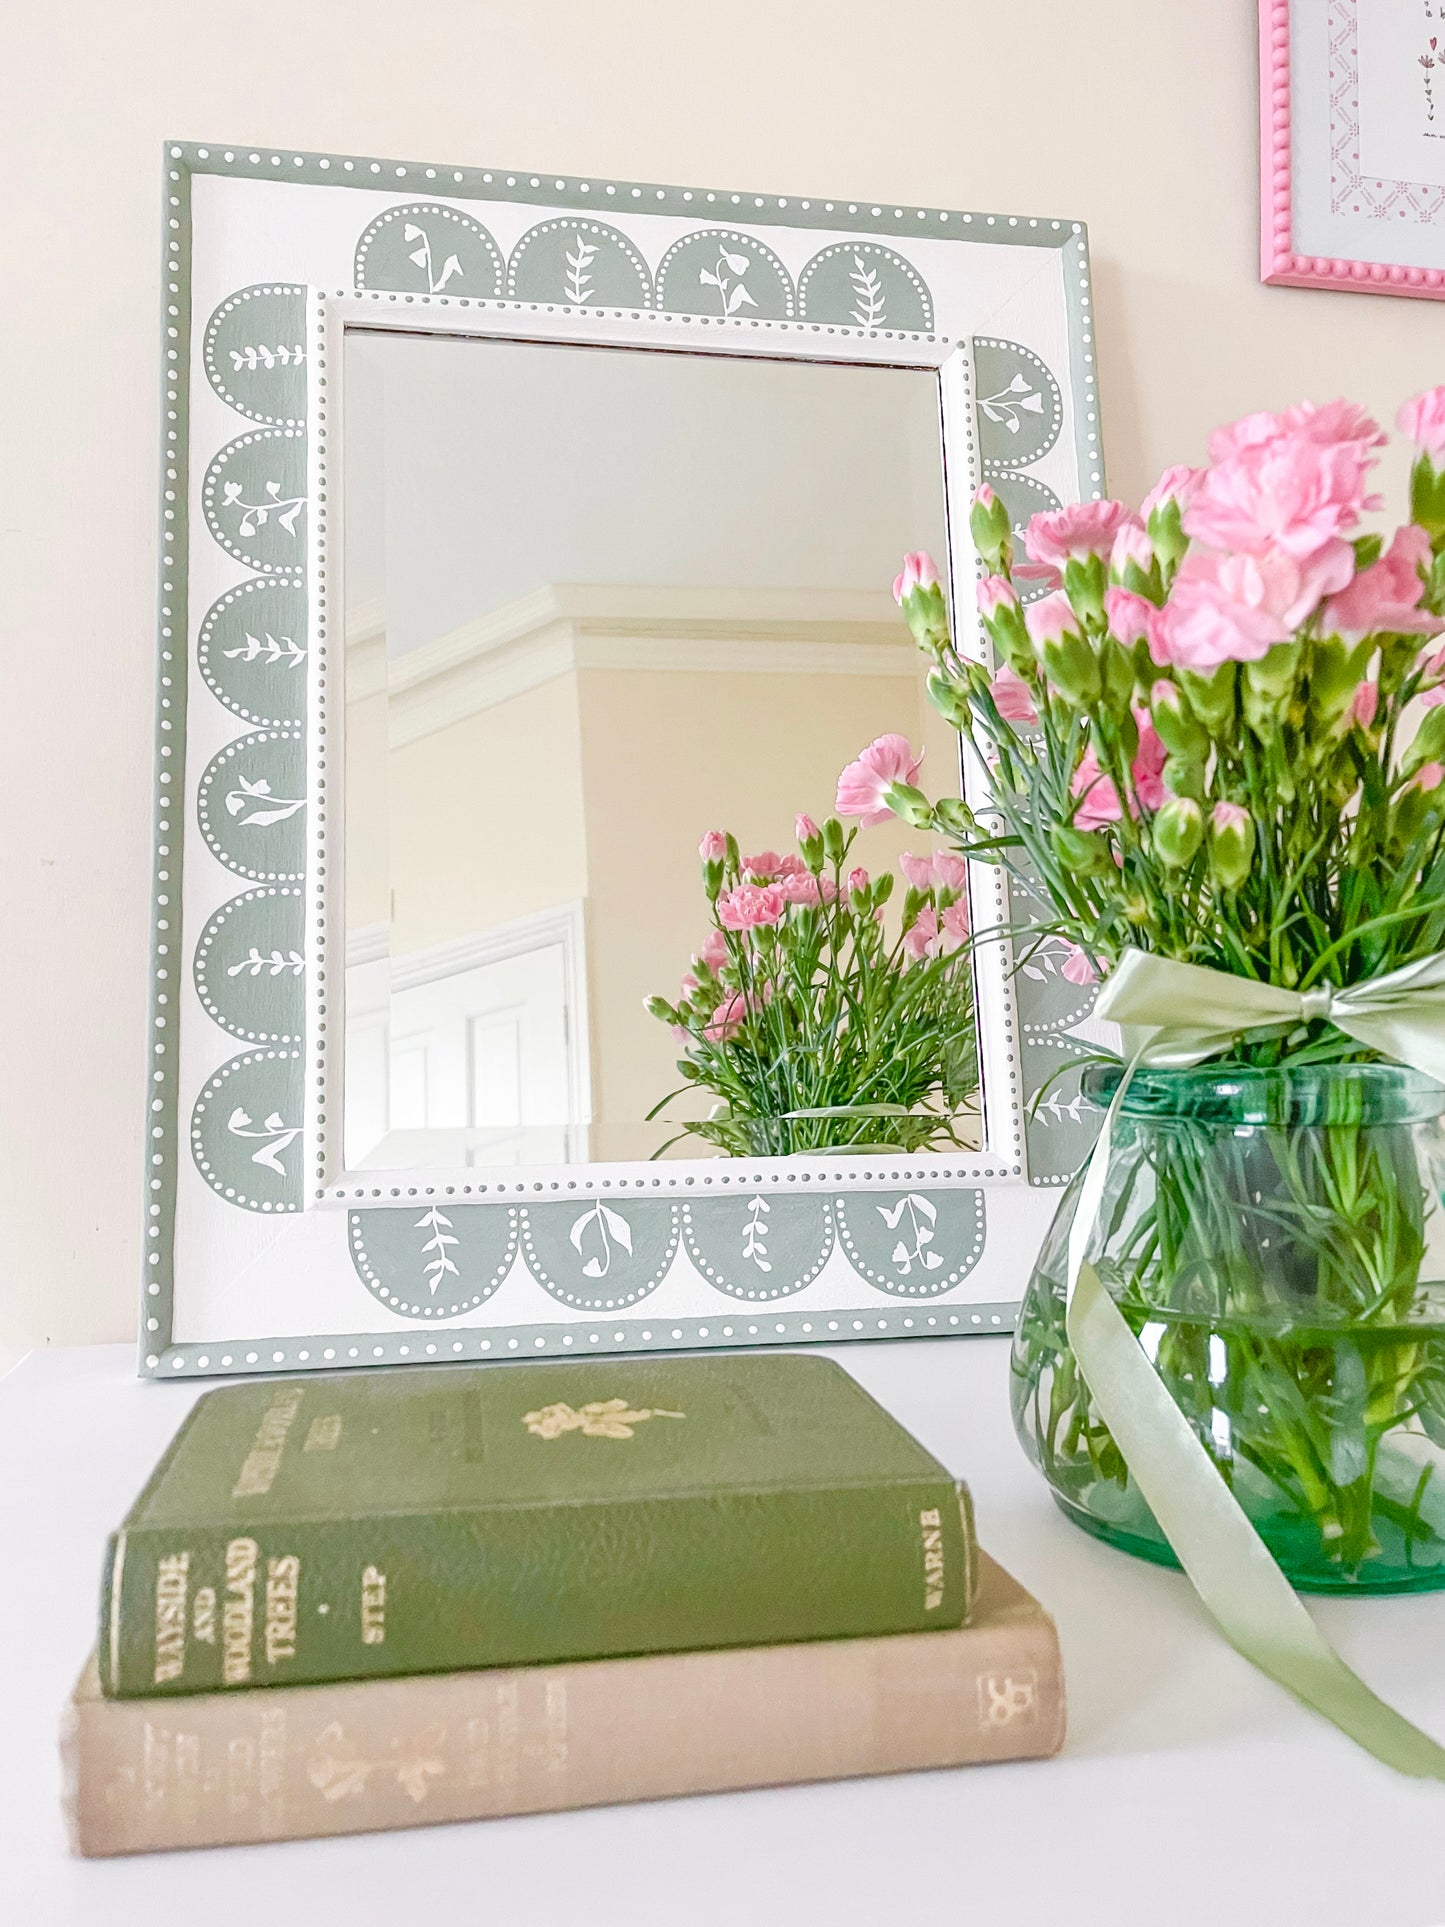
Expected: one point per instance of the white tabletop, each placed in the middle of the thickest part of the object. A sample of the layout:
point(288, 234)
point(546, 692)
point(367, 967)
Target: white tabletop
point(1191, 1792)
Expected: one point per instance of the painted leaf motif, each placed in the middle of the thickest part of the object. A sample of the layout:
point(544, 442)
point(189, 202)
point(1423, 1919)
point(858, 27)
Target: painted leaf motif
point(708, 278)
point(452, 265)
point(418, 260)
point(619, 1228)
point(593, 1268)
point(740, 298)
point(239, 1120)
point(411, 232)
point(579, 1226)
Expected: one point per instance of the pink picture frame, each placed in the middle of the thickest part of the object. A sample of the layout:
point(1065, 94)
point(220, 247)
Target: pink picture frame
point(1340, 80)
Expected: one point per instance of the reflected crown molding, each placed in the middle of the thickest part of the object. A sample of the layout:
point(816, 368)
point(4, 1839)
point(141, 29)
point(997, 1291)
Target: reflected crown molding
point(566, 627)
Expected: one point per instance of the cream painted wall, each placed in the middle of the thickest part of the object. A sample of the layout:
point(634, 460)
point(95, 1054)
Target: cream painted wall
point(1136, 116)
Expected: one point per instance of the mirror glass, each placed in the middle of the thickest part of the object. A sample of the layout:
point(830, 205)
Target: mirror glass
point(599, 601)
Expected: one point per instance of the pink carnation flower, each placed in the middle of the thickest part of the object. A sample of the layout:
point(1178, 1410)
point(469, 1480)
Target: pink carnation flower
point(1036, 575)
point(767, 866)
point(917, 869)
point(805, 890)
point(748, 906)
point(1363, 704)
point(1422, 418)
point(1234, 608)
point(1099, 794)
point(1147, 769)
point(727, 1020)
point(1176, 484)
point(953, 926)
point(1057, 536)
point(921, 934)
point(1131, 544)
point(1013, 698)
point(713, 847)
point(920, 571)
point(1076, 967)
point(1131, 617)
point(1386, 596)
point(951, 870)
point(1051, 619)
point(1287, 494)
point(863, 787)
point(857, 881)
point(714, 952)
point(1228, 816)
point(995, 592)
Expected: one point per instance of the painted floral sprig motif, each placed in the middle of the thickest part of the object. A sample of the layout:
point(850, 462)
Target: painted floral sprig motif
point(807, 1018)
point(600, 1418)
point(726, 275)
point(1010, 404)
point(252, 803)
point(283, 355)
point(922, 1217)
point(603, 1228)
point(579, 281)
point(438, 1247)
point(255, 515)
point(275, 1135)
point(871, 311)
point(275, 963)
point(421, 257)
point(268, 649)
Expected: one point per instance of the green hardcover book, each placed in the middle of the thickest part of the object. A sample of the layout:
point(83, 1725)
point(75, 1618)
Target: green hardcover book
point(442, 1519)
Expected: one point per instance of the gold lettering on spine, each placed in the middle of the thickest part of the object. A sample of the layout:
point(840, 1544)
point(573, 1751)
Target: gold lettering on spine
point(932, 1528)
point(373, 1607)
point(173, 1580)
point(238, 1615)
point(283, 1582)
point(263, 1461)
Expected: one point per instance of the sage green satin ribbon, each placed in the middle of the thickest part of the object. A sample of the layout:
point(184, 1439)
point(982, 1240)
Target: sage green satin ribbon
point(1188, 1014)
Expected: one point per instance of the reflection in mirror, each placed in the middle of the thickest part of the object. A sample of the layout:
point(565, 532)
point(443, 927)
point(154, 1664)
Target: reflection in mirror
point(598, 603)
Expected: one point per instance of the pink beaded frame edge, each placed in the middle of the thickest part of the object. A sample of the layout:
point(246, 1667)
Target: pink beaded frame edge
point(1279, 265)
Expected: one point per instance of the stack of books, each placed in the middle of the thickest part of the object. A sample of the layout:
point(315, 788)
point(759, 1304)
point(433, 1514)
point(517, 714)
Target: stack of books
point(386, 1599)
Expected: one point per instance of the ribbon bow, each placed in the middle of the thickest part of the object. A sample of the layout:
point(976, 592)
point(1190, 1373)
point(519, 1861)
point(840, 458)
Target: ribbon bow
point(1176, 1015)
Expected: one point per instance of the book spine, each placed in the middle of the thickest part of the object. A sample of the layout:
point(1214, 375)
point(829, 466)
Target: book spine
point(227, 1769)
point(274, 1603)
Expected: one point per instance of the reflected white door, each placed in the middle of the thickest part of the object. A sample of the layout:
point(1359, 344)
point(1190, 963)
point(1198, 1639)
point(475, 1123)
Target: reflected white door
point(461, 1066)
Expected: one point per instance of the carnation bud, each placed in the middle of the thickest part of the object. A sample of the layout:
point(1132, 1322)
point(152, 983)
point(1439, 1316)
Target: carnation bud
point(1183, 776)
point(910, 804)
point(1084, 852)
point(810, 841)
point(1211, 695)
point(1118, 674)
point(660, 1008)
point(1086, 577)
point(1231, 845)
point(857, 887)
point(955, 817)
point(1429, 743)
point(1132, 563)
point(883, 889)
point(1072, 667)
point(919, 594)
point(949, 697)
point(1178, 832)
point(1267, 687)
point(1427, 498)
point(988, 524)
point(834, 840)
point(1003, 618)
point(1179, 730)
point(1335, 670)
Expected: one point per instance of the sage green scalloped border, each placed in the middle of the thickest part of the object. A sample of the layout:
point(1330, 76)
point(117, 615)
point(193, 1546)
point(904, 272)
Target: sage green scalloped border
point(157, 1355)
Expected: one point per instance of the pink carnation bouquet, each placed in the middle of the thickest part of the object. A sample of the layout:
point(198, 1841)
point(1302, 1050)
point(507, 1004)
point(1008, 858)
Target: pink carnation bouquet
point(1213, 731)
point(813, 1021)
point(1219, 733)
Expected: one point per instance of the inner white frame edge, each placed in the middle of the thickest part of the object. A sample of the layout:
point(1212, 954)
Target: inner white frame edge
point(1003, 1160)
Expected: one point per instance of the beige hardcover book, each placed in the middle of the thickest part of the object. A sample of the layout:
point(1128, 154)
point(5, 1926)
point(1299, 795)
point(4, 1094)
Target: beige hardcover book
point(287, 1763)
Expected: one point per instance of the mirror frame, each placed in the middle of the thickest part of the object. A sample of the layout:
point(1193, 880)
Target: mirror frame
point(263, 1254)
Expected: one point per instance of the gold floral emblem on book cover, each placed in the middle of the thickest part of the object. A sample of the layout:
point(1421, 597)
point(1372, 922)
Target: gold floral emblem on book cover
point(610, 1418)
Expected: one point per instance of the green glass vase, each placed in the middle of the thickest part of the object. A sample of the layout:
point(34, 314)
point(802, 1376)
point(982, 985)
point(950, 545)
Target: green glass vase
point(1274, 1239)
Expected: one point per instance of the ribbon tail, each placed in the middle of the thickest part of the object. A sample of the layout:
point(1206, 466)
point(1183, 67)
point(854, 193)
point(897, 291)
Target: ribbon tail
point(1230, 1566)
point(1413, 1037)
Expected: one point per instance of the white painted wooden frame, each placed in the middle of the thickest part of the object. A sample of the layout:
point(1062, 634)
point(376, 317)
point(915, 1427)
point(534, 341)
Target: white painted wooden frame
point(264, 1252)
